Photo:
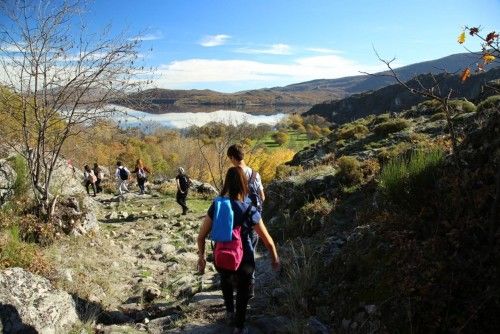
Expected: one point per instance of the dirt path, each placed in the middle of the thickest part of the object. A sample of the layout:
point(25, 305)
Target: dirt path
point(138, 273)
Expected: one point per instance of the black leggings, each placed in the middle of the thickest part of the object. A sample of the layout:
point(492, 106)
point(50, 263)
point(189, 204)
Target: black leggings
point(141, 181)
point(181, 200)
point(240, 279)
point(87, 184)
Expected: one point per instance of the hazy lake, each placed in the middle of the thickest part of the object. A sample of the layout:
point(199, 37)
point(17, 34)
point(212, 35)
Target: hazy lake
point(132, 118)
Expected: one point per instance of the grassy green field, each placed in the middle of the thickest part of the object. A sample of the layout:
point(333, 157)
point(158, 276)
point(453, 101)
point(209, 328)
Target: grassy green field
point(296, 143)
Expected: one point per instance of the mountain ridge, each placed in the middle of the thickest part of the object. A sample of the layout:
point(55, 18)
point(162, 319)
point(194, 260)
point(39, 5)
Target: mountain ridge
point(303, 94)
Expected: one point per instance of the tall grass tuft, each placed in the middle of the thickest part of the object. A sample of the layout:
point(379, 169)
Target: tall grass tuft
point(302, 270)
point(21, 168)
point(406, 181)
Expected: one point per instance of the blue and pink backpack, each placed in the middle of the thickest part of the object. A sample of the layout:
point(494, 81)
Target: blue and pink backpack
point(228, 252)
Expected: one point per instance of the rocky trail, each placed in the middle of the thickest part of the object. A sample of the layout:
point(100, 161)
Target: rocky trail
point(138, 272)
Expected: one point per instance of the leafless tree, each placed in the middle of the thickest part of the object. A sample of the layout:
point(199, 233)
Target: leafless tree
point(57, 76)
point(213, 140)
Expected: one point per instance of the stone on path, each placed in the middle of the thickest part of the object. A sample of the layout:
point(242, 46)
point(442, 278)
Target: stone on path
point(206, 299)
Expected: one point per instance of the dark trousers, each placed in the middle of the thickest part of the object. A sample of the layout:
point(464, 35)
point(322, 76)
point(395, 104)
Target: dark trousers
point(181, 200)
point(241, 280)
point(87, 183)
point(140, 182)
point(98, 185)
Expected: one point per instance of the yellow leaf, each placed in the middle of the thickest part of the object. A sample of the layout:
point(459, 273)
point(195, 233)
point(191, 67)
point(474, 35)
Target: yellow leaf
point(465, 75)
point(488, 58)
point(461, 38)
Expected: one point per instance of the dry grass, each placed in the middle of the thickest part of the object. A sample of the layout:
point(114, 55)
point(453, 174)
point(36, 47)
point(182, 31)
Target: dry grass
point(97, 269)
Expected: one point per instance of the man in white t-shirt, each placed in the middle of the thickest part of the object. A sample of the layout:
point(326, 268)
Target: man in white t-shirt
point(236, 156)
point(121, 174)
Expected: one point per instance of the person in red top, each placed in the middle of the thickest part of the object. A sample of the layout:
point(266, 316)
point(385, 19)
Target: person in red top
point(142, 175)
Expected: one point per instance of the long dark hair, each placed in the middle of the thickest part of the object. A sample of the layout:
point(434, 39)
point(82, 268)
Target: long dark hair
point(235, 183)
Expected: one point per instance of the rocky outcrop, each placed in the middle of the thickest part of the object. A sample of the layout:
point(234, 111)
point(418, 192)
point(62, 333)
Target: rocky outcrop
point(67, 179)
point(30, 304)
point(7, 181)
point(75, 218)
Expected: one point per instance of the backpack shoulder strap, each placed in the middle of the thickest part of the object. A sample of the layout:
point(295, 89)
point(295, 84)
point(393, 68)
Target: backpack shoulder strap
point(253, 176)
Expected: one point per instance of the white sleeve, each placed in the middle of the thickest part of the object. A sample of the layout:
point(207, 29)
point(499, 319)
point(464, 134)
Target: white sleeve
point(259, 181)
point(117, 173)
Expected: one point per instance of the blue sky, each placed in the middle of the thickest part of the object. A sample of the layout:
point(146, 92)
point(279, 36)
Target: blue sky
point(237, 45)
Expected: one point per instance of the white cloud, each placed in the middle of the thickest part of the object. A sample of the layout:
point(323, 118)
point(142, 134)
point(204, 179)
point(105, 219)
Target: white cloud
point(147, 37)
point(195, 71)
point(13, 47)
point(214, 40)
point(275, 49)
point(323, 50)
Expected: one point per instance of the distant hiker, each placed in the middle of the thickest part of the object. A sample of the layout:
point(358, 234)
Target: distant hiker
point(235, 259)
point(122, 174)
point(142, 174)
point(183, 182)
point(99, 175)
point(255, 189)
point(90, 179)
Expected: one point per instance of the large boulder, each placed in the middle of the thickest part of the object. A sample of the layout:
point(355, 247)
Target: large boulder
point(67, 180)
point(7, 180)
point(30, 304)
point(203, 188)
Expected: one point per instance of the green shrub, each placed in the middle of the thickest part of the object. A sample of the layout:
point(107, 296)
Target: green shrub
point(490, 102)
point(438, 116)
point(21, 168)
point(281, 138)
point(381, 119)
point(341, 143)
point(405, 181)
point(16, 253)
point(350, 170)
point(462, 106)
point(285, 171)
point(310, 218)
point(352, 131)
point(429, 104)
point(391, 126)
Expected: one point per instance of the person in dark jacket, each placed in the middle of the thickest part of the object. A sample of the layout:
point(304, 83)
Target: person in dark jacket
point(99, 175)
point(183, 182)
point(248, 217)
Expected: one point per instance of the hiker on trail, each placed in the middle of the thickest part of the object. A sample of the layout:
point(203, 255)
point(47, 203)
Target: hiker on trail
point(235, 259)
point(122, 174)
point(99, 175)
point(142, 176)
point(183, 182)
point(90, 179)
point(255, 189)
